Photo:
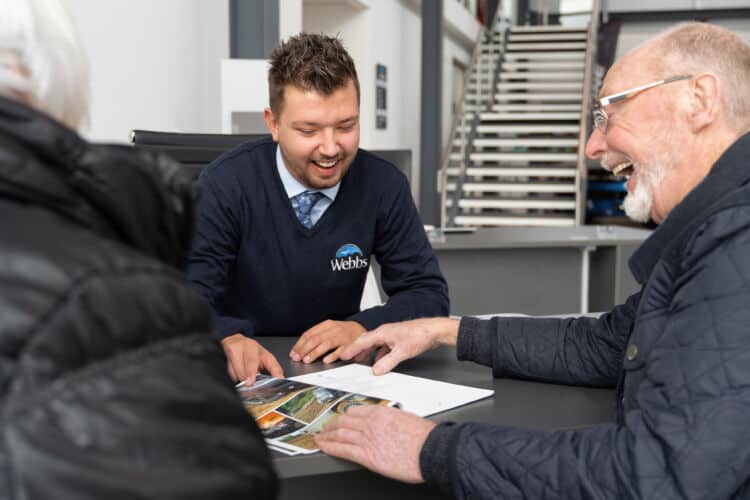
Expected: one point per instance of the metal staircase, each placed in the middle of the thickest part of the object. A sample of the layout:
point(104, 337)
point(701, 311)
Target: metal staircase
point(516, 155)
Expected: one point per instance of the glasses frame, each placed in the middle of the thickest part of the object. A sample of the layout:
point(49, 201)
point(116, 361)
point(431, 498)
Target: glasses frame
point(601, 119)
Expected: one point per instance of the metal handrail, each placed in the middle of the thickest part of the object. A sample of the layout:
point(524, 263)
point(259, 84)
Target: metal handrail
point(459, 121)
point(581, 170)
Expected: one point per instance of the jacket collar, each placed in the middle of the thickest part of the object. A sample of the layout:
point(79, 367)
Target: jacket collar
point(729, 171)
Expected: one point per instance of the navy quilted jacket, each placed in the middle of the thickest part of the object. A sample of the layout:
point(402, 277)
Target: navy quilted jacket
point(678, 353)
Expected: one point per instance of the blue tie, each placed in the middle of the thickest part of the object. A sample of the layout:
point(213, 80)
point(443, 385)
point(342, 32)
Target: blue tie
point(303, 204)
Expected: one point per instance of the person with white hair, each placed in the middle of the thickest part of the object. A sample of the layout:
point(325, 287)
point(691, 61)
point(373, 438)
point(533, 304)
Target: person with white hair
point(111, 383)
point(42, 62)
point(674, 116)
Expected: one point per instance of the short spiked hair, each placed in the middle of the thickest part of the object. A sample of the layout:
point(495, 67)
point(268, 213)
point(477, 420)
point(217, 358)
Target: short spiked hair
point(311, 62)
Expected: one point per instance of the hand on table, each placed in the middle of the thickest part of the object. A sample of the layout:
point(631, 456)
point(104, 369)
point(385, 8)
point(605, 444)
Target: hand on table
point(327, 336)
point(402, 341)
point(385, 440)
point(245, 357)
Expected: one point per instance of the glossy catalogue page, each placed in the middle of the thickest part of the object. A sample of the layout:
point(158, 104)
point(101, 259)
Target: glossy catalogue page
point(289, 413)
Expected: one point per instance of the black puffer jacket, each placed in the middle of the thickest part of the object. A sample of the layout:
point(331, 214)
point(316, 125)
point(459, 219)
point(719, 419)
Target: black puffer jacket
point(111, 384)
point(678, 352)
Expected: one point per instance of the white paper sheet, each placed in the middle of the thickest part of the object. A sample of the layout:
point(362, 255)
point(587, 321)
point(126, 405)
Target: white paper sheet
point(415, 394)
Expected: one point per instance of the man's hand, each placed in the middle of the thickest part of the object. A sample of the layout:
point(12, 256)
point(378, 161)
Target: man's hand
point(245, 357)
point(385, 440)
point(327, 336)
point(402, 341)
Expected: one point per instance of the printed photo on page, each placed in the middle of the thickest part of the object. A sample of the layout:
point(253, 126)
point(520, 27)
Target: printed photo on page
point(290, 413)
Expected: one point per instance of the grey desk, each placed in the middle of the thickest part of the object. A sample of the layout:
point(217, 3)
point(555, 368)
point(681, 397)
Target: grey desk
point(516, 403)
point(538, 270)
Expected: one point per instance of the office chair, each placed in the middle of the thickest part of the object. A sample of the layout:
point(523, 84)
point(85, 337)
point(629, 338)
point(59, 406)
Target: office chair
point(192, 150)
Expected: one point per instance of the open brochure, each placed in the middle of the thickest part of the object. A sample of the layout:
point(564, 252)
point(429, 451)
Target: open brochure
point(290, 411)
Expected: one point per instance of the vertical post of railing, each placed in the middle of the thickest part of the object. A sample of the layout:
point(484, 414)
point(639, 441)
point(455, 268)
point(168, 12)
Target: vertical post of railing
point(581, 172)
point(459, 129)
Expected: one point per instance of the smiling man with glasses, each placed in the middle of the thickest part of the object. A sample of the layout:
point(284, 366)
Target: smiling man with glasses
point(677, 352)
point(639, 203)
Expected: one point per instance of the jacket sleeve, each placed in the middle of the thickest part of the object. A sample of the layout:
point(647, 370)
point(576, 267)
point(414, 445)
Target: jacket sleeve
point(410, 273)
point(121, 392)
point(684, 433)
point(584, 351)
point(214, 252)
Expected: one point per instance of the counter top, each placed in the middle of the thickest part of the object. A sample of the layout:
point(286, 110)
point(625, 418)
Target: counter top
point(519, 237)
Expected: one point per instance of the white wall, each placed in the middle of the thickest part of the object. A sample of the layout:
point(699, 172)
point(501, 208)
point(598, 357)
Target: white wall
point(154, 64)
point(290, 18)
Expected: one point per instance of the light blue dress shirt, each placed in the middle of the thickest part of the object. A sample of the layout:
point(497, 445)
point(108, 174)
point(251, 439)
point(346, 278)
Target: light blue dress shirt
point(293, 187)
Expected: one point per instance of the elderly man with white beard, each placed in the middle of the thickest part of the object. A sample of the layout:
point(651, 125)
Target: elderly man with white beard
point(674, 116)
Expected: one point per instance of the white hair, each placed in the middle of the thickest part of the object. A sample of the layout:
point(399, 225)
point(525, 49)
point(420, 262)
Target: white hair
point(42, 61)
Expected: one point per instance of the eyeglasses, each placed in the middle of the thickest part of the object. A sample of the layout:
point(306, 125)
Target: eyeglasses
point(600, 116)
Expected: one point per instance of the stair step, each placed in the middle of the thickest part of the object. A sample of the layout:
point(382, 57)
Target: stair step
point(485, 72)
point(547, 37)
point(524, 157)
point(510, 157)
point(516, 129)
point(474, 108)
point(489, 116)
point(519, 46)
point(514, 172)
point(544, 65)
point(483, 83)
point(538, 96)
point(541, 75)
point(536, 107)
point(527, 129)
point(529, 203)
point(574, 86)
point(490, 220)
point(518, 187)
point(526, 142)
point(546, 55)
point(545, 29)
point(473, 96)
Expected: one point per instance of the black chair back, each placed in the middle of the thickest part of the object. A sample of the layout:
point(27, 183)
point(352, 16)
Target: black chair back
point(194, 151)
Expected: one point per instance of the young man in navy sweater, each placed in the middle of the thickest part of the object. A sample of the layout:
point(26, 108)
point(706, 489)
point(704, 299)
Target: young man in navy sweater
point(287, 225)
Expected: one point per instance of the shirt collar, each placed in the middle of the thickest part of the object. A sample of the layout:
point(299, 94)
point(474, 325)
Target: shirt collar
point(293, 187)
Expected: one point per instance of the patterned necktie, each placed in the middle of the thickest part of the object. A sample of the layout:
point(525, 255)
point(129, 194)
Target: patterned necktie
point(303, 204)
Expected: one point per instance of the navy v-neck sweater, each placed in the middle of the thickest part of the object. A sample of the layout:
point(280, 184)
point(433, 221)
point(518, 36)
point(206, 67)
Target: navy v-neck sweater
point(264, 273)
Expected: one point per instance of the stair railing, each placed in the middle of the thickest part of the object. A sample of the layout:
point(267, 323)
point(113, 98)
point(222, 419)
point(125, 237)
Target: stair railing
point(585, 118)
point(460, 129)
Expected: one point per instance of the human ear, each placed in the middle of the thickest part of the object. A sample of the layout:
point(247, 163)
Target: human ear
point(705, 101)
point(271, 123)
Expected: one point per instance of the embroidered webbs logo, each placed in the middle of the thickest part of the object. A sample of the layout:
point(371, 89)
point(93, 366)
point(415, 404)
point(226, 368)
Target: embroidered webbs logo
point(348, 257)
